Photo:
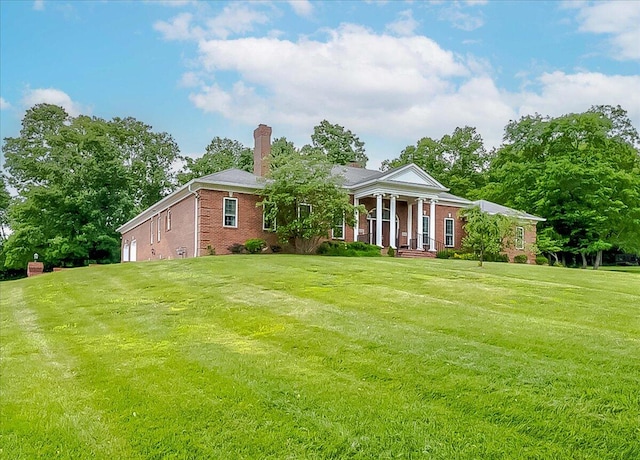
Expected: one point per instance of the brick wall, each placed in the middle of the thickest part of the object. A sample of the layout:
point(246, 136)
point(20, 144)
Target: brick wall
point(249, 221)
point(530, 232)
point(181, 234)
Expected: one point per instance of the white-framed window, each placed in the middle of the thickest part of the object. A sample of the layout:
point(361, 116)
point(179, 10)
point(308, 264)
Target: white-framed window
point(304, 210)
point(230, 212)
point(133, 251)
point(425, 230)
point(125, 252)
point(159, 227)
point(448, 233)
point(151, 230)
point(337, 232)
point(519, 238)
point(268, 224)
point(168, 219)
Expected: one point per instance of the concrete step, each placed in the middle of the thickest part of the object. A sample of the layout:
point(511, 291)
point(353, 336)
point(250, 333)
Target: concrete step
point(415, 254)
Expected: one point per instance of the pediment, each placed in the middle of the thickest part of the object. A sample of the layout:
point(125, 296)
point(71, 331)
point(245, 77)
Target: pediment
point(412, 174)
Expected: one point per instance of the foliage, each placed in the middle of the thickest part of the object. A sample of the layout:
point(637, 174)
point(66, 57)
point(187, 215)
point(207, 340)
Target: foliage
point(305, 199)
point(255, 245)
point(520, 259)
point(237, 248)
point(445, 253)
point(220, 154)
point(321, 358)
point(580, 171)
point(542, 260)
point(458, 161)
point(340, 146)
point(548, 241)
point(485, 233)
point(211, 251)
point(391, 252)
point(78, 179)
point(353, 249)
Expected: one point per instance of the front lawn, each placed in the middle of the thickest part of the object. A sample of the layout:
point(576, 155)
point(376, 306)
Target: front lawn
point(316, 357)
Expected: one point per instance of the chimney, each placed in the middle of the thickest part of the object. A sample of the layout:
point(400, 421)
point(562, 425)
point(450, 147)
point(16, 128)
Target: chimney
point(262, 150)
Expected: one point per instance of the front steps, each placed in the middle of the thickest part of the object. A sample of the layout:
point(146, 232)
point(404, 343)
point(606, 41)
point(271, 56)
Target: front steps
point(415, 254)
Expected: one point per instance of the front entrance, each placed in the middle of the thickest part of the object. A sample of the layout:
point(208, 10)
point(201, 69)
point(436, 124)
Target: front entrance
point(386, 226)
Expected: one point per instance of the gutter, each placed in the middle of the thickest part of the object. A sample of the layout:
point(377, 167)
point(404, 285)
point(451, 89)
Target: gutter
point(195, 221)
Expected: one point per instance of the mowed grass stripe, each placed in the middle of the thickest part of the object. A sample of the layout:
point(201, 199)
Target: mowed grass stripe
point(315, 358)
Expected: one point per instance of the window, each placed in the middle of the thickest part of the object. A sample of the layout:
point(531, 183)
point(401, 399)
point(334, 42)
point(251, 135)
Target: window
point(337, 232)
point(448, 233)
point(304, 211)
point(151, 230)
point(230, 212)
point(125, 252)
point(519, 237)
point(159, 228)
point(425, 230)
point(168, 219)
point(268, 224)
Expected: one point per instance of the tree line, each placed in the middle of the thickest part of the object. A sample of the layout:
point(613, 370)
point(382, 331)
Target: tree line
point(79, 178)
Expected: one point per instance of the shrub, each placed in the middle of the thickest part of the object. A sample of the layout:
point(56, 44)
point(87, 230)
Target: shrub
point(275, 248)
point(496, 257)
point(391, 252)
point(354, 249)
point(445, 254)
point(211, 251)
point(542, 260)
point(255, 245)
point(237, 248)
point(520, 259)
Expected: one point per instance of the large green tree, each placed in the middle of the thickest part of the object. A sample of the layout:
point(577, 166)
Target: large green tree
point(459, 160)
point(220, 154)
point(305, 200)
point(580, 171)
point(77, 180)
point(339, 145)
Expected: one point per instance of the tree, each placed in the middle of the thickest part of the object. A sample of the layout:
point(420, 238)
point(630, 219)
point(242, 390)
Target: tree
point(305, 200)
point(78, 179)
point(580, 171)
point(340, 146)
point(486, 233)
point(5, 200)
point(149, 158)
point(220, 154)
point(459, 161)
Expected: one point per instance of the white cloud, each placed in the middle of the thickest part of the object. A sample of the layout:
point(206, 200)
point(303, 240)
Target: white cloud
point(38, 5)
point(405, 25)
point(459, 19)
point(302, 7)
point(4, 104)
point(53, 96)
point(617, 19)
point(235, 19)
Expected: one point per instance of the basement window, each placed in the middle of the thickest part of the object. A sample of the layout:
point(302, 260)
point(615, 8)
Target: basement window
point(519, 237)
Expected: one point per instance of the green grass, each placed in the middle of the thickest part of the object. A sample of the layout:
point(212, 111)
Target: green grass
point(622, 268)
point(318, 357)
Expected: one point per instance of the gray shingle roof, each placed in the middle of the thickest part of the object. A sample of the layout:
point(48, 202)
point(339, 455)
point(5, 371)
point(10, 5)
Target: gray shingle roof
point(354, 175)
point(495, 208)
point(234, 176)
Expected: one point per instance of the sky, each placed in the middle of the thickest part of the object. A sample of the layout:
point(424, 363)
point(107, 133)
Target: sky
point(392, 72)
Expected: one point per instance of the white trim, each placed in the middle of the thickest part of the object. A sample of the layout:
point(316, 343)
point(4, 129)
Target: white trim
point(168, 220)
point(159, 227)
point(419, 213)
point(151, 230)
point(432, 225)
point(125, 252)
point(307, 205)
point(133, 251)
point(453, 232)
point(426, 232)
point(333, 235)
point(521, 239)
point(356, 228)
point(224, 212)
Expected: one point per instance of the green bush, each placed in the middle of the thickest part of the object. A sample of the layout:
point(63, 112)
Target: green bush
point(354, 249)
point(237, 248)
point(445, 254)
point(520, 259)
point(391, 252)
point(496, 258)
point(542, 260)
point(255, 245)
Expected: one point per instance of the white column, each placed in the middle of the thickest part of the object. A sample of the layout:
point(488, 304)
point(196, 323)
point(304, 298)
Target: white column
point(409, 223)
point(392, 223)
point(419, 217)
point(432, 226)
point(356, 227)
point(379, 219)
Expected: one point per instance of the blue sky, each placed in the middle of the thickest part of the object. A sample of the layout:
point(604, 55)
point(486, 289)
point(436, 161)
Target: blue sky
point(392, 72)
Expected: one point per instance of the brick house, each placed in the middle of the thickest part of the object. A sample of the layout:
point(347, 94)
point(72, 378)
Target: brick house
point(407, 209)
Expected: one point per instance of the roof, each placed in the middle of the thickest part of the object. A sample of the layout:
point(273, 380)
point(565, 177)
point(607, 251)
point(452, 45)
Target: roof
point(495, 208)
point(237, 177)
point(353, 175)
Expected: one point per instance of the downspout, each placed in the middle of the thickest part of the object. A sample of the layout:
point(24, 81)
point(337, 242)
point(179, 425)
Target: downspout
point(195, 223)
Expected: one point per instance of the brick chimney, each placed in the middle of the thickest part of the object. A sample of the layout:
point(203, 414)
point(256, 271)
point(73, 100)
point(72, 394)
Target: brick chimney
point(262, 150)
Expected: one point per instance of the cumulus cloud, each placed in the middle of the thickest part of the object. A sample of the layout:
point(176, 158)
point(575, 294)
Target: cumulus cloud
point(405, 25)
point(302, 7)
point(4, 105)
point(234, 19)
point(460, 19)
point(38, 5)
point(53, 96)
point(617, 19)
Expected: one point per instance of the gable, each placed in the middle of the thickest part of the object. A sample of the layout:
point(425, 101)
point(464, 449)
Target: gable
point(412, 174)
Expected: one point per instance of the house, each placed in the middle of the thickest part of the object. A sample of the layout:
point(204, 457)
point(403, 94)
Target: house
point(406, 208)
